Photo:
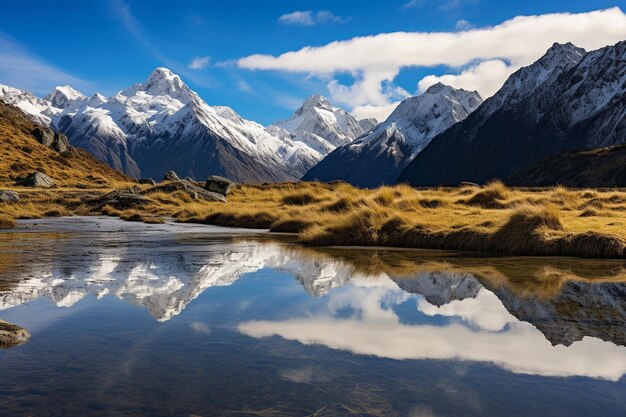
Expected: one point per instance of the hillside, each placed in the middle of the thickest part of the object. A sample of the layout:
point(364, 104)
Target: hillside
point(21, 154)
point(603, 167)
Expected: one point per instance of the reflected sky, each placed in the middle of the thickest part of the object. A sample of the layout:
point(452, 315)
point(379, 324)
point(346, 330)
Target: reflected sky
point(208, 322)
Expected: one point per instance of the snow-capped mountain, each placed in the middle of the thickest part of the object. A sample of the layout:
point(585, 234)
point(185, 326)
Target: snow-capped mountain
point(63, 96)
point(568, 99)
point(523, 82)
point(161, 124)
point(319, 126)
point(379, 157)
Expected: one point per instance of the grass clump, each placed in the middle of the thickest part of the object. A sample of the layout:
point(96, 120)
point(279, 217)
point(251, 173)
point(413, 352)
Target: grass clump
point(492, 196)
point(299, 199)
point(7, 222)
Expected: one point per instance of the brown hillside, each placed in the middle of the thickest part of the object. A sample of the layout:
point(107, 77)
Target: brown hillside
point(21, 154)
point(603, 167)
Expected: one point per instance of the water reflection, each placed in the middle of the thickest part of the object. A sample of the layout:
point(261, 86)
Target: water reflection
point(549, 317)
point(475, 328)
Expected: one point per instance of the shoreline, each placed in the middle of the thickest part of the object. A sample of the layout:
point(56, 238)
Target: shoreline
point(493, 219)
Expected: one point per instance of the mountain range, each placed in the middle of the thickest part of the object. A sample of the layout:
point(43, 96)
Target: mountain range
point(161, 125)
point(378, 157)
point(568, 100)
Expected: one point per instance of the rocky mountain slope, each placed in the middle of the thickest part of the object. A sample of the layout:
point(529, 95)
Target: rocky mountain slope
point(378, 157)
point(26, 147)
point(161, 125)
point(567, 100)
point(601, 167)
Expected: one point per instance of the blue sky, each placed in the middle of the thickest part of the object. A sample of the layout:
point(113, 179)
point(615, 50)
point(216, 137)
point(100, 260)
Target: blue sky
point(105, 46)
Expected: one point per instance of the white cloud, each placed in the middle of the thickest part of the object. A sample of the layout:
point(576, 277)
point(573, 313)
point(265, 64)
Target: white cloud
point(380, 113)
point(463, 24)
point(486, 77)
point(199, 62)
point(310, 18)
point(21, 69)
point(377, 59)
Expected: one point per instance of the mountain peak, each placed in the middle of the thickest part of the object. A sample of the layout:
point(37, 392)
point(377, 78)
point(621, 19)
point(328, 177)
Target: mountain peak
point(317, 101)
point(163, 81)
point(440, 88)
point(62, 95)
point(561, 51)
point(163, 77)
point(162, 72)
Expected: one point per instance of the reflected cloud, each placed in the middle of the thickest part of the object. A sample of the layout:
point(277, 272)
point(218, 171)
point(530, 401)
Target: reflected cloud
point(201, 328)
point(376, 329)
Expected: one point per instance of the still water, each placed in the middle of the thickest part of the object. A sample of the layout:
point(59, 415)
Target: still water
point(179, 320)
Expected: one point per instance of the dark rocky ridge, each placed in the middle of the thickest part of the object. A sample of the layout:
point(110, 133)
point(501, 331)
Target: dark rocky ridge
point(578, 106)
point(602, 167)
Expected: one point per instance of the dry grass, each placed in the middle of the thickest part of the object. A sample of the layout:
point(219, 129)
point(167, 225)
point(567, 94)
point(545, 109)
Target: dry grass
point(552, 221)
point(21, 154)
point(7, 222)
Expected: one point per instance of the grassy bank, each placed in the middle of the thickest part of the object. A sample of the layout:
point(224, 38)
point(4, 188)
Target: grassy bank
point(554, 221)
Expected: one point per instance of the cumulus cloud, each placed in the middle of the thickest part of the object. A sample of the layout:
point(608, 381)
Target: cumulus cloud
point(472, 56)
point(310, 18)
point(199, 62)
point(486, 77)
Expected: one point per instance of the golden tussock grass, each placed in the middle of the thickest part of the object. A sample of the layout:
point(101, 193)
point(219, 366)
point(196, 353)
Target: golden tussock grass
point(21, 154)
point(495, 218)
point(7, 222)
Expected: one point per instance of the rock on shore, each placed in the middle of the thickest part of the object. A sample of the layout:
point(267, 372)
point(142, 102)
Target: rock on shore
point(12, 335)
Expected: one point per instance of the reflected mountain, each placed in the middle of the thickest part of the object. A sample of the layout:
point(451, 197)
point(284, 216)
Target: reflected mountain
point(478, 329)
point(549, 316)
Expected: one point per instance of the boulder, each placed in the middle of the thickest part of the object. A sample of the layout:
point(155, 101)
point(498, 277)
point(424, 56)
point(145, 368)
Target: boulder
point(149, 181)
point(12, 335)
point(469, 184)
point(121, 199)
point(192, 190)
point(9, 197)
point(35, 179)
point(194, 182)
point(49, 138)
point(219, 185)
point(171, 176)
